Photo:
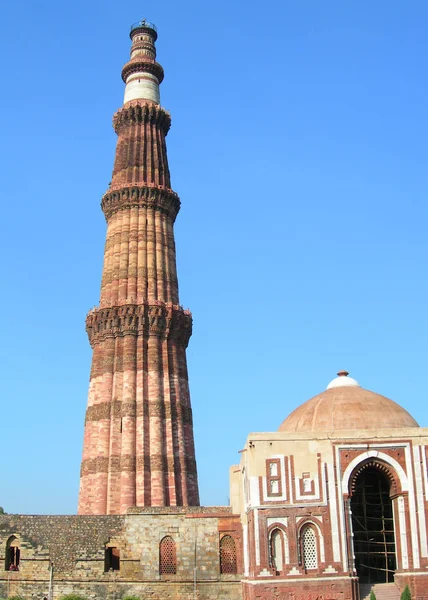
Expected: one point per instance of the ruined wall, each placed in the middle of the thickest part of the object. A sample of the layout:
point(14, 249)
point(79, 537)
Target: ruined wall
point(76, 547)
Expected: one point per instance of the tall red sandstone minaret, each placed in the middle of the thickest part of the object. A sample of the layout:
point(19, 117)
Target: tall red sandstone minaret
point(138, 446)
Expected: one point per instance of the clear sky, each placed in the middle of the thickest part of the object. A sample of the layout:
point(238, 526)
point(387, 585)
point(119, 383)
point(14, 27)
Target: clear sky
point(299, 150)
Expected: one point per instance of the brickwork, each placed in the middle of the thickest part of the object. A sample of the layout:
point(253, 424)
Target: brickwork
point(335, 589)
point(295, 531)
point(141, 149)
point(307, 540)
point(76, 547)
point(418, 584)
point(60, 539)
point(138, 443)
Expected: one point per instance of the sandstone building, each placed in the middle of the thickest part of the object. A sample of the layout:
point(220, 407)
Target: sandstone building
point(336, 500)
point(332, 503)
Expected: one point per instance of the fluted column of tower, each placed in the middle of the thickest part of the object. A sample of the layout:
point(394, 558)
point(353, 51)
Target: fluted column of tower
point(138, 444)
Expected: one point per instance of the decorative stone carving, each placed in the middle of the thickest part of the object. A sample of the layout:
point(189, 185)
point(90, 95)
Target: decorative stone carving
point(157, 409)
point(157, 462)
point(103, 410)
point(98, 412)
point(164, 200)
point(143, 65)
point(100, 464)
point(162, 320)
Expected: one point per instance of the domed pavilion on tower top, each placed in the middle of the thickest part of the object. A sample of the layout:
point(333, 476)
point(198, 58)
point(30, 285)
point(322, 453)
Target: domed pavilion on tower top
point(330, 506)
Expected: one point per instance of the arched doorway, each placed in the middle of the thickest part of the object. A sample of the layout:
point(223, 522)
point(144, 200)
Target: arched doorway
point(373, 526)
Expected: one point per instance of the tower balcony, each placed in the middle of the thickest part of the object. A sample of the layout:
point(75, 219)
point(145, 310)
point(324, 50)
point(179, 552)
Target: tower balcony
point(144, 25)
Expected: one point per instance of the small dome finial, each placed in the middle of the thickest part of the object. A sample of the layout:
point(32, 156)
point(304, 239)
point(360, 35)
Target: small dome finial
point(342, 380)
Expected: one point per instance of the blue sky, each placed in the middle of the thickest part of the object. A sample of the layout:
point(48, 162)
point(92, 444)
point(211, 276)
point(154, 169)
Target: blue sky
point(299, 150)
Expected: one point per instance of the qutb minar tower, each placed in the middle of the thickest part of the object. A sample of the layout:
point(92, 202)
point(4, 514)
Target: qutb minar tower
point(138, 446)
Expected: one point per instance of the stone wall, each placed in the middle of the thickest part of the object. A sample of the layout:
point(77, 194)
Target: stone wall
point(76, 547)
point(334, 588)
point(417, 582)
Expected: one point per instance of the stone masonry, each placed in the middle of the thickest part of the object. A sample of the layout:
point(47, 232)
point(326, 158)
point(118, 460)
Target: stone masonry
point(334, 501)
point(76, 546)
point(138, 444)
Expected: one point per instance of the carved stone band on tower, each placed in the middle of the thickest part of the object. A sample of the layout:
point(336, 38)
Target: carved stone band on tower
point(138, 447)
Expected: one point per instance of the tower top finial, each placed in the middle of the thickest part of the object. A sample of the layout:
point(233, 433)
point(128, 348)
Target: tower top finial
point(144, 24)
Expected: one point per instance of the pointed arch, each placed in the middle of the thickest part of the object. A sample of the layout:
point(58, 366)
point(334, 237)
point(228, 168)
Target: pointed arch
point(381, 467)
point(278, 549)
point(392, 469)
point(309, 547)
point(167, 556)
point(228, 563)
point(12, 554)
point(373, 527)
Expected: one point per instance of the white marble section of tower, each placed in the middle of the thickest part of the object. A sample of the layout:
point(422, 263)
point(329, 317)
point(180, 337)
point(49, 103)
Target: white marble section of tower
point(142, 81)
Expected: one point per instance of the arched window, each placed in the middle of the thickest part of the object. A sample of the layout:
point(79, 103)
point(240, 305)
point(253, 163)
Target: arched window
point(227, 555)
point(167, 556)
point(13, 554)
point(309, 547)
point(276, 549)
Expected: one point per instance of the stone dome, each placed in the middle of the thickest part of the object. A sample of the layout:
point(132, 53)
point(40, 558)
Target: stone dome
point(345, 405)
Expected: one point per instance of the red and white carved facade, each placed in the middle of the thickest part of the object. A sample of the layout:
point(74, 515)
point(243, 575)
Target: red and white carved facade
point(294, 489)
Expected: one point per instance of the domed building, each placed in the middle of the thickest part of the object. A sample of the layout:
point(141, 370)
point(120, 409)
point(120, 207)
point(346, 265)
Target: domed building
point(335, 501)
point(329, 505)
point(345, 405)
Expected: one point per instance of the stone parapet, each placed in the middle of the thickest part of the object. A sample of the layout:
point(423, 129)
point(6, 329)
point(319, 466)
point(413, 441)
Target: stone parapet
point(142, 64)
point(162, 320)
point(135, 195)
